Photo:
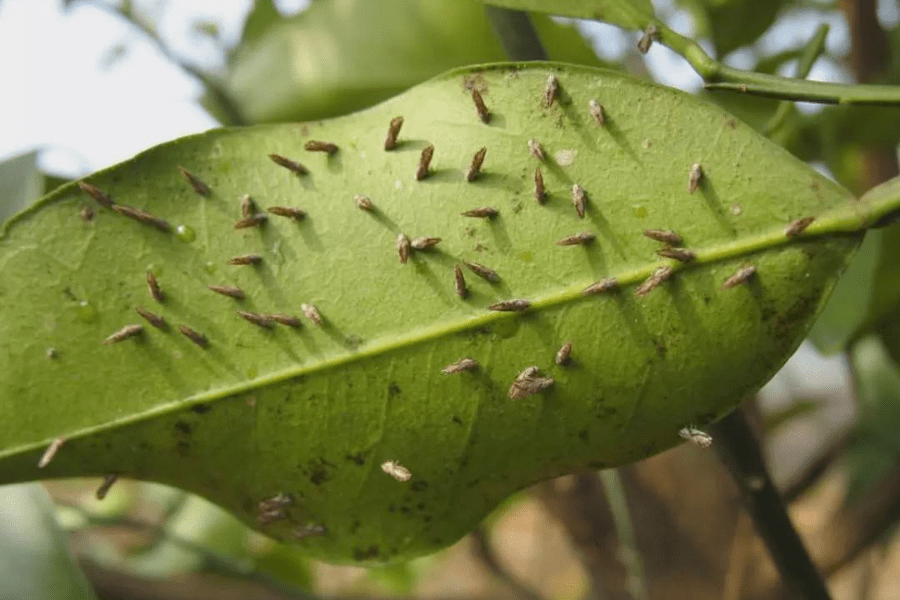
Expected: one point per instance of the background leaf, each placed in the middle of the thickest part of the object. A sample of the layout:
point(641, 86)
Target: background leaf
point(731, 24)
point(316, 411)
point(37, 562)
point(629, 14)
point(20, 184)
point(337, 57)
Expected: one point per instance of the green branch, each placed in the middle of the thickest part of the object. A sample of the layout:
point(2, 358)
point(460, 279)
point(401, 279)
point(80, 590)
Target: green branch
point(516, 33)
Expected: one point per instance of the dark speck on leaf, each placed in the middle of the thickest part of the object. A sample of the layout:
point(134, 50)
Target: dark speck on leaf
point(365, 553)
point(419, 486)
point(183, 427)
point(393, 389)
point(201, 408)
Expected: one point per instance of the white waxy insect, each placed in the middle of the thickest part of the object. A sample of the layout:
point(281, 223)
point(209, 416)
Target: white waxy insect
point(311, 313)
point(396, 470)
point(551, 88)
point(696, 437)
point(597, 112)
point(51, 451)
point(363, 202)
point(694, 177)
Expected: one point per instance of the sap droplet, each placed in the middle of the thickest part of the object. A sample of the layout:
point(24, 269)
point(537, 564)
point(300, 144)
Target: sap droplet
point(185, 233)
point(210, 267)
point(640, 211)
point(526, 256)
point(156, 269)
point(736, 209)
point(85, 311)
point(252, 372)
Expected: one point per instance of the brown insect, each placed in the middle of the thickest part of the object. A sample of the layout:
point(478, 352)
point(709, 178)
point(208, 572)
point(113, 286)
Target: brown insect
point(463, 364)
point(107, 484)
point(423, 243)
point(597, 112)
point(424, 162)
point(650, 34)
point(129, 331)
point(363, 202)
point(142, 216)
point(665, 236)
point(246, 259)
point(255, 318)
point(515, 305)
point(694, 177)
point(50, 452)
point(288, 320)
point(742, 275)
point(604, 285)
point(290, 212)
point(403, 247)
point(390, 142)
point(680, 254)
point(583, 238)
point(579, 199)
point(194, 336)
point(227, 290)
point(564, 354)
point(311, 313)
point(655, 280)
point(551, 88)
point(539, 193)
point(483, 113)
point(460, 282)
point(199, 187)
point(482, 212)
point(96, 193)
point(153, 287)
point(152, 318)
point(536, 150)
point(317, 146)
point(291, 165)
point(475, 166)
point(482, 271)
point(528, 383)
point(252, 221)
point(797, 227)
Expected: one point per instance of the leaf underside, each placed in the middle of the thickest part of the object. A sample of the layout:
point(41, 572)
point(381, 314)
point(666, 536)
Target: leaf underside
point(315, 411)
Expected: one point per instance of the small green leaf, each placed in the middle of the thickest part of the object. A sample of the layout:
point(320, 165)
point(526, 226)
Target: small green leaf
point(306, 422)
point(337, 57)
point(630, 14)
point(263, 14)
point(37, 561)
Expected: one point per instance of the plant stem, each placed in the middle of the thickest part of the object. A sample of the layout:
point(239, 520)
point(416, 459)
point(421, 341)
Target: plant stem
point(739, 449)
point(631, 554)
point(811, 53)
point(516, 33)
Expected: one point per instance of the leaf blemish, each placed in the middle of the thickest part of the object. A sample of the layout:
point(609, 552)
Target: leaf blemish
point(199, 187)
point(424, 162)
point(483, 113)
point(291, 165)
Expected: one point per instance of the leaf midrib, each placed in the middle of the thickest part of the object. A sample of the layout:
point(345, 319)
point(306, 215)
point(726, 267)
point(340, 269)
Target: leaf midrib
point(846, 220)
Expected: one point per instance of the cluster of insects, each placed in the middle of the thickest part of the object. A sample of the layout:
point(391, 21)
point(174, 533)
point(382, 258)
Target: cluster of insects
point(528, 382)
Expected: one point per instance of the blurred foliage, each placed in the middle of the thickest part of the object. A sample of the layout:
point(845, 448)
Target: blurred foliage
point(339, 57)
point(731, 24)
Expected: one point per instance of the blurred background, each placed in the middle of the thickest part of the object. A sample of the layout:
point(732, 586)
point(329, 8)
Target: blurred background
point(89, 83)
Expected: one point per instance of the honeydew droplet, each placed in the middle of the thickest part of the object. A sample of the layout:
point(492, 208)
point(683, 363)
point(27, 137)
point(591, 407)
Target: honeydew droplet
point(526, 256)
point(210, 267)
point(252, 373)
point(185, 233)
point(640, 212)
point(85, 311)
point(156, 269)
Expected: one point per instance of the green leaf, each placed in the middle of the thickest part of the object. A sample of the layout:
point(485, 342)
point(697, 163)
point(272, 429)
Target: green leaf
point(316, 411)
point(262, 15)
point(329, 61)
point(873, 450)
point(733, 23)
point(37, 561)
point(630, 14)
point(20, 184)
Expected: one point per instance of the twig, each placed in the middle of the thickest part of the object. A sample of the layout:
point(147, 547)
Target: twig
point(631, 553)
point(516, 33)
point(484, 551)
point(740, 451)
point(811, 53)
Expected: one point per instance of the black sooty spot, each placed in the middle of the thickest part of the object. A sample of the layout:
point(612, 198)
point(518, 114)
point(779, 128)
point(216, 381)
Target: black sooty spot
point(419, 486)
point(393, 389)
point(183, 427)
point(358, 459)
point(583, 435)
point(201, 408)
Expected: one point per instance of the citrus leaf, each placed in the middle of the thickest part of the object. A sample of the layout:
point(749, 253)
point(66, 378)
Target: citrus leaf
point(310, 419)
point(733, 23)
point(630, 14)
point(337, 57)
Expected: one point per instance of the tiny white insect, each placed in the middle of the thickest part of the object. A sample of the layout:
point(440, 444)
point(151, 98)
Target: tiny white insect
point(694, 435)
